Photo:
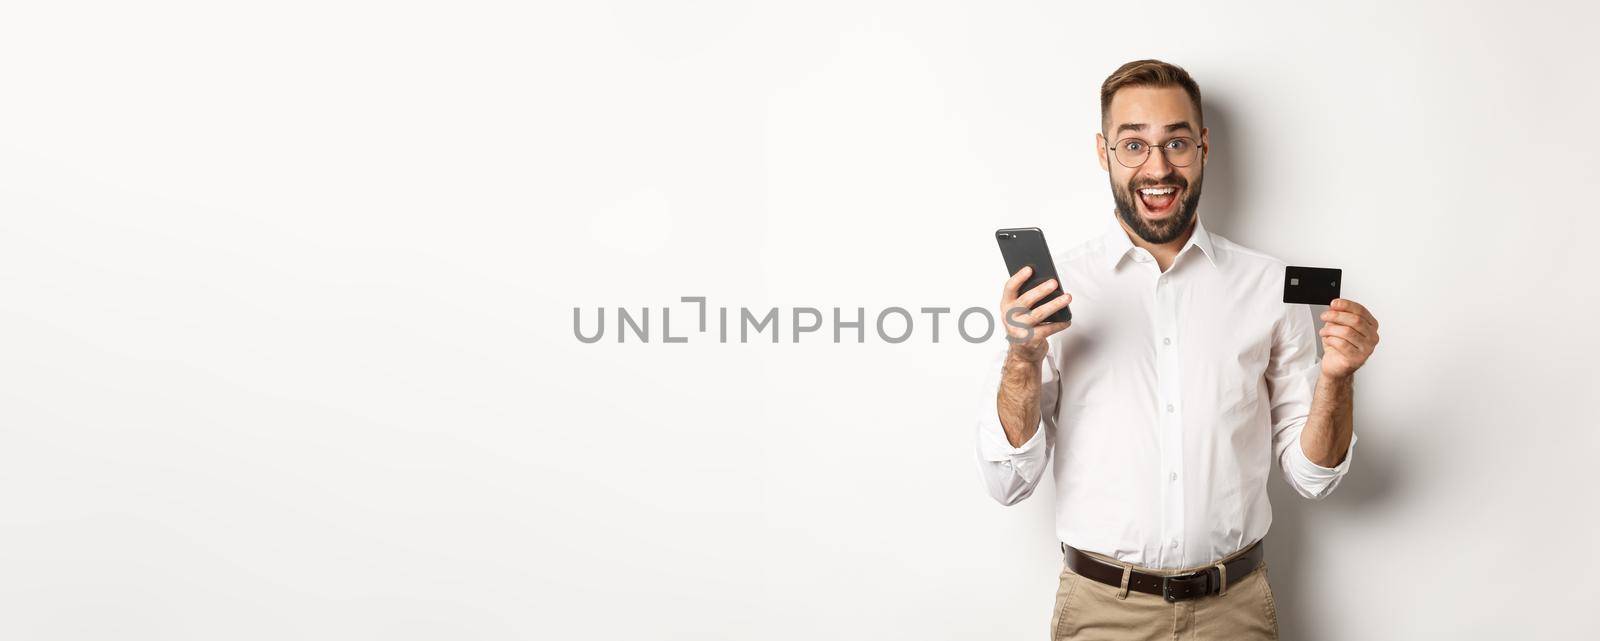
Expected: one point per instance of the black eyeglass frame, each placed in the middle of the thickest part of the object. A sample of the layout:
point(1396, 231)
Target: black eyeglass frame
point(1199, 148)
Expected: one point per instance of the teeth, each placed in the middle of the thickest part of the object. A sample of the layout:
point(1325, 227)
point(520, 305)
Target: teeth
point(1156, 192)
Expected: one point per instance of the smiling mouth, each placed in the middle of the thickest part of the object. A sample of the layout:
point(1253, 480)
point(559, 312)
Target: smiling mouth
point(1158, 200)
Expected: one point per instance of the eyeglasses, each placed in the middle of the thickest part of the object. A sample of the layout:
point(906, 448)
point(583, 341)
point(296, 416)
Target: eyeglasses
point(1133, 152)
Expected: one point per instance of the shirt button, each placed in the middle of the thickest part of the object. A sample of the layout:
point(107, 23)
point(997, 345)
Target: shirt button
point(1166, 341)
point(1174, 544)
point(1172, 477)
point(1169, 408)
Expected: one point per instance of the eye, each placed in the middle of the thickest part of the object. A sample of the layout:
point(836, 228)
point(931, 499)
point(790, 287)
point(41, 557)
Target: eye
point(1178, 144)
point(1134, 146)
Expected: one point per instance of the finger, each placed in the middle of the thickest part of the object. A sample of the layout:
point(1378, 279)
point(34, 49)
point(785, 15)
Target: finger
point(1037, 293)
point(1347, 305)
point(1350, 333)
point(1017, 318)
point(1049, 309)
point(1349, 349)
point(1018, 279)
point(1048, 329)
point(1364, 323)
point(1349, 322)
point(1343, 347)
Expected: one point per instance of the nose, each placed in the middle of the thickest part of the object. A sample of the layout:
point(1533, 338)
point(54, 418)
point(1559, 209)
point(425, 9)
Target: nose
point(1156, 165)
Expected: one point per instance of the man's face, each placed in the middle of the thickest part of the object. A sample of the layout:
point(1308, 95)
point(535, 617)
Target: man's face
point(1157, 199)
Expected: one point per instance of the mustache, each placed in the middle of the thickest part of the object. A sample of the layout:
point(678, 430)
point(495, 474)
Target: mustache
point(1172, 179)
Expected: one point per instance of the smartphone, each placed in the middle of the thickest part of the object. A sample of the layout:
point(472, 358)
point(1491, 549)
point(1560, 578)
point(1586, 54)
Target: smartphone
point(1024, 247)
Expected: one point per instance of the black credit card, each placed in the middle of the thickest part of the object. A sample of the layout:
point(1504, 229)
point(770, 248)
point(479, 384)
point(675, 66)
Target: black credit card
point(1310, 285)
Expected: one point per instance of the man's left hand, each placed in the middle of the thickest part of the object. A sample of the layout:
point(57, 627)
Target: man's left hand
point(1348, 338)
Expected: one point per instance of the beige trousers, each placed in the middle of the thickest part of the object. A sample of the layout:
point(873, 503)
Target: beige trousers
point(1089, 610)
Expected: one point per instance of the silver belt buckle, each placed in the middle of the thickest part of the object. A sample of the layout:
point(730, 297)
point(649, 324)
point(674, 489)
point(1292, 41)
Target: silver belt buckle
point(1167, 581)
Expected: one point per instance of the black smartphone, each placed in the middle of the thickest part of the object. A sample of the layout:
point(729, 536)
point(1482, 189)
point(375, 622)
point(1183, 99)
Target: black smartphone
point(1310, 285)
point(1024, 247)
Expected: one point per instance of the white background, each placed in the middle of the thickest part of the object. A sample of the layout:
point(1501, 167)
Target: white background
point(286, 298)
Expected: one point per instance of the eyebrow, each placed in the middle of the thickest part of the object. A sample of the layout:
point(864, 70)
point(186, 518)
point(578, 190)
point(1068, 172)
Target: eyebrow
point(1139, 126)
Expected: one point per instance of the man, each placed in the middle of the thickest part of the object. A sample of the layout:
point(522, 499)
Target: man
point(1164, 402)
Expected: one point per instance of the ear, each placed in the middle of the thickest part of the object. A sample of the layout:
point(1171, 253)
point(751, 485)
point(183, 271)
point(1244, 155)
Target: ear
point(1100, 150)
point(1205, 143)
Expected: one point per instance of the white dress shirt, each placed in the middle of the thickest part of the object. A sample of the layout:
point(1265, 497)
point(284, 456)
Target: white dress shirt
point(1164, 404)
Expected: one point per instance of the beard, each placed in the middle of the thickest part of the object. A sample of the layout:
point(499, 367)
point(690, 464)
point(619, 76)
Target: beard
point(1157, 232)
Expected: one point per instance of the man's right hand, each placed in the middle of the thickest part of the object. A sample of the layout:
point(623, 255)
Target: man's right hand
point(1025, 329)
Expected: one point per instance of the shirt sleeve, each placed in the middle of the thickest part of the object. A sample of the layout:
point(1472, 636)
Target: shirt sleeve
point(1291, 383)
point(1012, 473)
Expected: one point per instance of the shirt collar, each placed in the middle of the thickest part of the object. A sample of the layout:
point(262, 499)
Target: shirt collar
point(1118, 244)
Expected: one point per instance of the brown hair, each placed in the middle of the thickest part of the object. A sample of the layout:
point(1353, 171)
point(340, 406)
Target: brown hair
point(1148, 73)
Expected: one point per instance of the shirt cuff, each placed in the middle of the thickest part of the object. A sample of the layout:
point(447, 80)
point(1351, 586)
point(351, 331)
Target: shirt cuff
point(1316, 478)
point(994, 446)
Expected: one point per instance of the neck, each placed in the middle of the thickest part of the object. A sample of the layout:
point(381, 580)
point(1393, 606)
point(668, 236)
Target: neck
point(1165, 253)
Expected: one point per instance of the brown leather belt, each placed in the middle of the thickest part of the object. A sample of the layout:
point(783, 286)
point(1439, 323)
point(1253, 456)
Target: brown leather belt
point(1173, 588)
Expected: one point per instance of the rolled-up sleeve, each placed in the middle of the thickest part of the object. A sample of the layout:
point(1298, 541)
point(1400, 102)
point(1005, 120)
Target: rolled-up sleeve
point(1291, 384)
point(1012, 473)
